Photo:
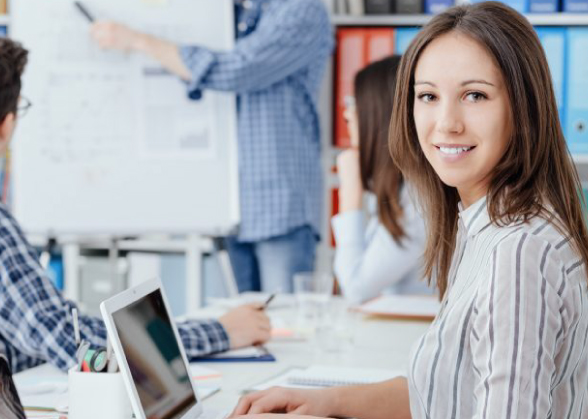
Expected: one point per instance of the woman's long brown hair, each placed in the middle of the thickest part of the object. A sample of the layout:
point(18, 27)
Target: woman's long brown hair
point(374, 94)
point(536, 170)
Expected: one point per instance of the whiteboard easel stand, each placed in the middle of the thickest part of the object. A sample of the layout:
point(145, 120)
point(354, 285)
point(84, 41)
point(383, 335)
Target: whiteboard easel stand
point(193, 247)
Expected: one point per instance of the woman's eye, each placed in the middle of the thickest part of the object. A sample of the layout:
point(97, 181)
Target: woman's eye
point(475, 96)
point(426, 97)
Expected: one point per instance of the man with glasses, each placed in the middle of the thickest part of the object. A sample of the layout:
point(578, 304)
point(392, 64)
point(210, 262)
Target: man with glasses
point(36, 323)
point(275, 68)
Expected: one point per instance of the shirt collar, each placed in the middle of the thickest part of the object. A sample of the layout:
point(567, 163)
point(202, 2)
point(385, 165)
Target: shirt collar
point(475, 218)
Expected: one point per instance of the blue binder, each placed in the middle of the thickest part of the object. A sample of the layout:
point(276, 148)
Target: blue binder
point(575, 6)
point(404, 37)
point(576, 127)
point(433, 7)
point(521, 6)
point(554, 44)
point(543, 6)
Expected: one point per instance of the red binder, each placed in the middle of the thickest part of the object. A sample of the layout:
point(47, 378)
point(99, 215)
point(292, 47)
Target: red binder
point(356, 47)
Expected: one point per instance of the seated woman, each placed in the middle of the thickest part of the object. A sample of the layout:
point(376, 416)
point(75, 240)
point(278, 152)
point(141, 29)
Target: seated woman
point(476, 130)
point(386, 254)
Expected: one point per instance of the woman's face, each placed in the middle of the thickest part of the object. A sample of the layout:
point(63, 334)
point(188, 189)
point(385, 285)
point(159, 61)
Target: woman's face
point(462, 113)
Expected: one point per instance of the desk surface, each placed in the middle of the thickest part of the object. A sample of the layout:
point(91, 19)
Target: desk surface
point(378, 343)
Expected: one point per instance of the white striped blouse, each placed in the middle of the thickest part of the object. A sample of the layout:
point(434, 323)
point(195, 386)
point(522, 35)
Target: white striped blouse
point(510, 340)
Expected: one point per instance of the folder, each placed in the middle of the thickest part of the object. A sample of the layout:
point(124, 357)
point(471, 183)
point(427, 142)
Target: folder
point(404, 37)
point(355, 49)
point(543, 6)
point(521, 6)
point(554, 44)
point(576, 126)
point(349, 60)
point(334, 211)
point(379, 7)
point(380, 44)
point(575, 6)
point(409, 7)
point(434, 7)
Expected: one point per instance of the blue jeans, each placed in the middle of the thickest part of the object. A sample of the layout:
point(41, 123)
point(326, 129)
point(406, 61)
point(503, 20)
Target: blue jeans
point(269, 265)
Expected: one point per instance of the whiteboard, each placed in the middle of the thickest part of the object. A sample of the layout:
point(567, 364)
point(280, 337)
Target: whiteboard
point(112, 144)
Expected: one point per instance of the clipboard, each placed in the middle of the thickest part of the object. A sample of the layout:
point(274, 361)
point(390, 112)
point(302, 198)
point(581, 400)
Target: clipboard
point(258, 353)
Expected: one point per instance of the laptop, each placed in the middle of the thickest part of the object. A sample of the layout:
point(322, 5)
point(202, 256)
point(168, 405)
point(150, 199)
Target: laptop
point(150, 354)
point(10, 405)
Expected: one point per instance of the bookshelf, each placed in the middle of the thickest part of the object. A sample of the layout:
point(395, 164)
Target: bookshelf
point(352, 22)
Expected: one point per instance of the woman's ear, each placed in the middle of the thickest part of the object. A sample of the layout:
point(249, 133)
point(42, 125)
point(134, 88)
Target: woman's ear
point(6, 130)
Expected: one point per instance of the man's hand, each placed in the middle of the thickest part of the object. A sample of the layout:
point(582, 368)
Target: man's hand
point(112, 35)
point(246, 325)
point(285, 400)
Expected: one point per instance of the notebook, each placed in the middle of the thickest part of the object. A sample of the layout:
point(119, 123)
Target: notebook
point(403, 307)
point(327, 376)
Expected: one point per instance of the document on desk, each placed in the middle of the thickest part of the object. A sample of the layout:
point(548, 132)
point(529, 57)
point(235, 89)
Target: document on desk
point(327, 376)
point(403, 307)
point(208, 381)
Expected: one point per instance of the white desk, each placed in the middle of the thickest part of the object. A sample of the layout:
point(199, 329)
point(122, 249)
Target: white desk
point(378, 343)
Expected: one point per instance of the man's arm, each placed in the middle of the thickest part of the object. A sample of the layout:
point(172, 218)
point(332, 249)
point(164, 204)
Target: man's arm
point(111, 35)
point(286, 40)
point(36, 321)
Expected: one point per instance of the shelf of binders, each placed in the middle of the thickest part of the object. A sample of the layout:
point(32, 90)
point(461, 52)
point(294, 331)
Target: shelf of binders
point(548, 19)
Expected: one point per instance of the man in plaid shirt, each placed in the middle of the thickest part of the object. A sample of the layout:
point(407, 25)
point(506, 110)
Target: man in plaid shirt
point(35, 320)
point(275, 68)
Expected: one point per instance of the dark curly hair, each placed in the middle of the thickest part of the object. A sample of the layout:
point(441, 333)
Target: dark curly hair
point(13, 59)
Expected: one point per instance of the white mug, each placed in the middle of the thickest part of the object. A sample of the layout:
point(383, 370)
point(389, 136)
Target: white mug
point(98, 395)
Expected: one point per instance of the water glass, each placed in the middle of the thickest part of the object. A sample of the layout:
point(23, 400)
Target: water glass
point(313, 291)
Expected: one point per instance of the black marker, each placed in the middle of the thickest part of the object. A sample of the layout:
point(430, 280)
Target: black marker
point(83, 10)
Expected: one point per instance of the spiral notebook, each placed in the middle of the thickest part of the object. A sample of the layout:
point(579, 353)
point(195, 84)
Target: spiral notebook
point(327, 376)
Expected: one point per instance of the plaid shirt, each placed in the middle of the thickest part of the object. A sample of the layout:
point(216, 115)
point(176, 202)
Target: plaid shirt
point(35, 320)
point(275, 68)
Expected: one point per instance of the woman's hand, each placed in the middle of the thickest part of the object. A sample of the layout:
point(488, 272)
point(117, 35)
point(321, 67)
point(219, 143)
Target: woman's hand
point(351, 188)
point(286, 400)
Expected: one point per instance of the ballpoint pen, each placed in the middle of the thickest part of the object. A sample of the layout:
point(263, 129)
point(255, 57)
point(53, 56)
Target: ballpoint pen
point(268, 301)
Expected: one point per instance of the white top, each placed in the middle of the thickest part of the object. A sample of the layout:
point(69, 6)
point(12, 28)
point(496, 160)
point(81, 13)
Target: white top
point(368, 261)
point(510, 340)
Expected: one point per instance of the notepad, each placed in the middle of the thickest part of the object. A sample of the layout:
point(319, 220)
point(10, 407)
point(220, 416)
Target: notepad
point(404, 307)
point(327, 376)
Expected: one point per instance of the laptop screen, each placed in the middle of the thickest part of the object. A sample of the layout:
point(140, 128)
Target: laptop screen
point(10, 406)
point(152, 352)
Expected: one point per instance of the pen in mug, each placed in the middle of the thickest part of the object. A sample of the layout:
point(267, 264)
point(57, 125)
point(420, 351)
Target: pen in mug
point(76, 325)
point(112, 365)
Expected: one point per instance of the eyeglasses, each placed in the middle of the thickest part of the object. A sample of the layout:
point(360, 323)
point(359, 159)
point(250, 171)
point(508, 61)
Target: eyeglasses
point(23, 106)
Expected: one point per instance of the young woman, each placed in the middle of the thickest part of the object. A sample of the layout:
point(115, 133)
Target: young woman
point(386, 254)
point(476, 130)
